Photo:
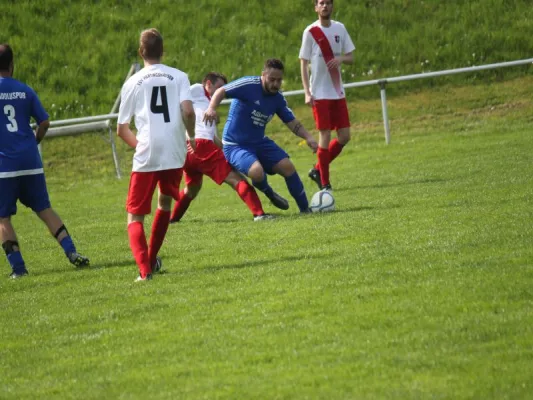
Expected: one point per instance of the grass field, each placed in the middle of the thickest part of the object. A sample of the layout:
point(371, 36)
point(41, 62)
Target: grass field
point(418, 286)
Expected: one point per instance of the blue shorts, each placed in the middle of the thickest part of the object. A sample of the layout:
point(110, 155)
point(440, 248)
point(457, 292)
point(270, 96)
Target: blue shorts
point(29, 189)
point(267, 152)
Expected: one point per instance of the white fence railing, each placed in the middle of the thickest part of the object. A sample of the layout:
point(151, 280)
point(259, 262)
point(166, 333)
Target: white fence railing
point(74, 126)
point(77, 125)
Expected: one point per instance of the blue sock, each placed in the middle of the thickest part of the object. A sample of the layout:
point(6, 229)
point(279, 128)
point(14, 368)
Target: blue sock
point(16, 261)
point(263, 186)
point(68, 245)
point(296, 189)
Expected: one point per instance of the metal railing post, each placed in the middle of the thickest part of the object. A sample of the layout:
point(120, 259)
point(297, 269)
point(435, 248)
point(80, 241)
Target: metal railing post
point(133, 69)
point(382, 85)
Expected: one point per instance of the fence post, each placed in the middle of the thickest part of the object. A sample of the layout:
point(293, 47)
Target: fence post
point(135, 67)
point(382, 85)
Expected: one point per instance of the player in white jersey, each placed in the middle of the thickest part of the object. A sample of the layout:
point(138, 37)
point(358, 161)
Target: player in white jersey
point(208, 158)
point(159, 99)
point(327, 45)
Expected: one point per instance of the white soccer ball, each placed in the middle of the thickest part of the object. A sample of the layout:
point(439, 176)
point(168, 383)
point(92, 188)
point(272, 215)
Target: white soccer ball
point(322, 201)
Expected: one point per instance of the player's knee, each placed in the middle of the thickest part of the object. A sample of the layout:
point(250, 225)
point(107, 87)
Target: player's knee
point(256, 172)
point(233, 179)
point(192, 191)
point(285, 168)
point(344, 136)
point(135, 218)
point(325, 135)
point(44, 214)
point(164, 202)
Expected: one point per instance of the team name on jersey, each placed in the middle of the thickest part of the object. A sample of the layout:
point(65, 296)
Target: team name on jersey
point(155, 75)
point(12, 96)
point(260, 119)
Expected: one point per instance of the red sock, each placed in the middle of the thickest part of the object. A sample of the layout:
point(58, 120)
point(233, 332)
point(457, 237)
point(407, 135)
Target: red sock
point(159, 230)
point(323, 165)
point(139, 248)
point(248, 194)
point(182, 204)
point(335, 148)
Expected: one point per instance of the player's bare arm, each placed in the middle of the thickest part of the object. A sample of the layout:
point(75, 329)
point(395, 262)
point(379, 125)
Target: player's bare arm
point(41, 130)
point(299, 130)
point(189, 119)
point(304, 69)
point(210, 115)
point(125, 133)
point(337, 61)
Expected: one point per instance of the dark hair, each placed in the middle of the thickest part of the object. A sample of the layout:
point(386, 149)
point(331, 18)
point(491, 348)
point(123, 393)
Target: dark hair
point(6, 56)
point(213, 77)
point(273, 63)
point(316, 2)
point(151, 44)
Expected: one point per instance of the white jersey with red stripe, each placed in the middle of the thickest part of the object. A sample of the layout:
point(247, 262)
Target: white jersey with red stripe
point(200, 101)
point(340, 42)
point(154, 96)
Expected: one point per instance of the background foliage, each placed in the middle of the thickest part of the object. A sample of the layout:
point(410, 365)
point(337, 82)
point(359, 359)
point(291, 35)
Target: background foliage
point(77, 53)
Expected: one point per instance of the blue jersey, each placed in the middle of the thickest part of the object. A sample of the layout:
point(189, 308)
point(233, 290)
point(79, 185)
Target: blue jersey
point(19, 154)
point(250, 111)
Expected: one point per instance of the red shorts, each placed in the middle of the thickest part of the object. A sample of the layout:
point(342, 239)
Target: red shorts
point(331, 115)
point(142, 187)
point(208, 160)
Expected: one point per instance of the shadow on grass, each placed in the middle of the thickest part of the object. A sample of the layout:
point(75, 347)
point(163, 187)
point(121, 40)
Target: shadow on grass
point(204, 221)
point(246, 264)
point(249, 219)
point(399, 184)
point(350, 209)
point(69, 269)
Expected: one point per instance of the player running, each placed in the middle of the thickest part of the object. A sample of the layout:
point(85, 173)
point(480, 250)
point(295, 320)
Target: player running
point(208, 158)
point(256, 100)
point(158, 96)
point(21, 169)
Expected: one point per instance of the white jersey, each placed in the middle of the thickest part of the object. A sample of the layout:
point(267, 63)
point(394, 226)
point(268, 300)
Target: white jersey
point(200, 101)
point(340, 42)
point(154, 95)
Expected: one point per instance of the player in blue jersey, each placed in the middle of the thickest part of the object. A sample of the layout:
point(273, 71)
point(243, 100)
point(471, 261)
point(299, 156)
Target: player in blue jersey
point(21, 168)
point(255, 101)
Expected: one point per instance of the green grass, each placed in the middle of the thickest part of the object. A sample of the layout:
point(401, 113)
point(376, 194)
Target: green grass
point(77, 53)
point(418, 286)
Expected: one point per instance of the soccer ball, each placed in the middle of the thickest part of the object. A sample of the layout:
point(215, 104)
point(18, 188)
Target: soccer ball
point(322, 201)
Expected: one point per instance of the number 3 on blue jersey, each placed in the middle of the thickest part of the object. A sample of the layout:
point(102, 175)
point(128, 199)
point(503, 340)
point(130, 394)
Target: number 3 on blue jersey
point(9, 111)
point(163, 107)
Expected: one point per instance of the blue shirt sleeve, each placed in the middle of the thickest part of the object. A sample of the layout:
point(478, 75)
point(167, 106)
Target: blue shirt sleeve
point(37, 109)
point(240, 88)
point(283, 111)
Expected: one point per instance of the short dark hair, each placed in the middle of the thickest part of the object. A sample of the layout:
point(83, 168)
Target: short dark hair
point(273, 63)
point(316, 2)
point(151, 44)
point(213, 77)
point(6, 56)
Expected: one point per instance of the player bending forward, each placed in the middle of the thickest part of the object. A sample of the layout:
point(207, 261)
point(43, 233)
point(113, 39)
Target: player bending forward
point(154, 95)
point(255, 101)
point(208, 158)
